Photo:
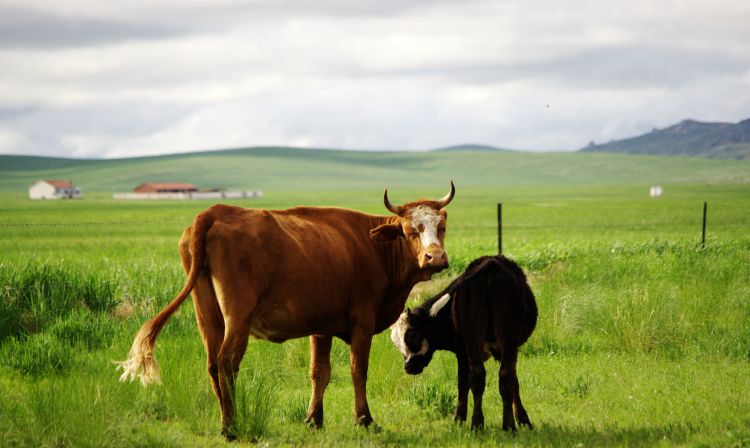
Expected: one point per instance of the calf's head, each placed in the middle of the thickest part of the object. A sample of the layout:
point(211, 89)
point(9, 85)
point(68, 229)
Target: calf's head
point(411, 335)
point(422, 224)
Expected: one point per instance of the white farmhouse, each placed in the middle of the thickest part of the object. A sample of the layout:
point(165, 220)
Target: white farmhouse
point(54, 189)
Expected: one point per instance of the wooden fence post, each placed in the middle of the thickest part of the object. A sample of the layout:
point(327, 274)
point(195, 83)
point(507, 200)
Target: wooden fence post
point(703, 233)
point(500, 228)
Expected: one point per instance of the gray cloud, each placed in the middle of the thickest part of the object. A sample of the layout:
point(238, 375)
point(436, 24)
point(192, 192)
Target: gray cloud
point(27, 28)
point(105, 79)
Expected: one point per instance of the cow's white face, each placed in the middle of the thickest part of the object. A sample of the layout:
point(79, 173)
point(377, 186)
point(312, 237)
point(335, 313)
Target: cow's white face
point(424, 228)
point(422, 224)
point(411, 341)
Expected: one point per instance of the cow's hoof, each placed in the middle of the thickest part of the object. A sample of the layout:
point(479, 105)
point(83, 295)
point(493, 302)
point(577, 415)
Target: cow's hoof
point(459, 418)
point(509, 427)
point(526, 423)
point(367, 422)
point(228, 435)
point(314, 423)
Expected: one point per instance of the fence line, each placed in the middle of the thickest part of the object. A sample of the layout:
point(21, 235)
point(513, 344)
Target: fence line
point(620, 209)
point(95, 223)
point(488, 226)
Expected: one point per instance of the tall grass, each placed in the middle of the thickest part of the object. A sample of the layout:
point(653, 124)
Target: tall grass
point(666, 297)
point(254, 400)
point(32, 297)
point(49, 313)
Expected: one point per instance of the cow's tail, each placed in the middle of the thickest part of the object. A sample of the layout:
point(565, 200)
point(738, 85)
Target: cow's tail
point(141, 362)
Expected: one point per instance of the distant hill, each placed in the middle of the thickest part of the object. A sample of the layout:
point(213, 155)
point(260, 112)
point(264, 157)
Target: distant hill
point(283, 169)
point(470, 147)
point(687, 138)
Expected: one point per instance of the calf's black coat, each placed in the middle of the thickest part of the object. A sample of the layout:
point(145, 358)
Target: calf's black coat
point(491, 312)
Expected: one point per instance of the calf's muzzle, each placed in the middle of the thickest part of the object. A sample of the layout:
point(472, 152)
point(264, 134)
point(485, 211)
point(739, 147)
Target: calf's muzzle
point(414, 365)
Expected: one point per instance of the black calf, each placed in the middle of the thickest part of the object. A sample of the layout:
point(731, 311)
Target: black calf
point(487, 311)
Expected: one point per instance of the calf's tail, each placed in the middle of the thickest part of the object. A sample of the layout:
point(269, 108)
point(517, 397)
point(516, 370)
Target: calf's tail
point(141, 362)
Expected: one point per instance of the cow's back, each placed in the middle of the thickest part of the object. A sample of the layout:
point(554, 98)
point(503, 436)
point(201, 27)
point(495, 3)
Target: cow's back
point(303, 269)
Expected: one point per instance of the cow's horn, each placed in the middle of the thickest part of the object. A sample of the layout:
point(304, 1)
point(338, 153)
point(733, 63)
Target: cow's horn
point(393, 208)
point(448, 197)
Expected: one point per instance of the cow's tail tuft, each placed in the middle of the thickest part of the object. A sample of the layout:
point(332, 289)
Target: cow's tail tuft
point(141, 362)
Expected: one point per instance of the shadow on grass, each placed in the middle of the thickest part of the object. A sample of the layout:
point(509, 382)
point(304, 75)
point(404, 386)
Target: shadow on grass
point(556, 435)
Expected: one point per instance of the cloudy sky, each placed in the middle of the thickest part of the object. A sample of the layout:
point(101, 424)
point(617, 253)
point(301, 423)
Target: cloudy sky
point(92, 78)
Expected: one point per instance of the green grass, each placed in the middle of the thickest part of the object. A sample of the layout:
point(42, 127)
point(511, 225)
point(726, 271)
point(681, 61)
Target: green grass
point(643, 336)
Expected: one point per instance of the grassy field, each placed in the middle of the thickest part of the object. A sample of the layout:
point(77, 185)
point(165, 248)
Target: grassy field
point(643, 336)
point(291, 170)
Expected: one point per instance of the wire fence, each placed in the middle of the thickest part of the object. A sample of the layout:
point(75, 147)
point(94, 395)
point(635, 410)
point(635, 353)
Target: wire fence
point(612, 223)
point(96, 223)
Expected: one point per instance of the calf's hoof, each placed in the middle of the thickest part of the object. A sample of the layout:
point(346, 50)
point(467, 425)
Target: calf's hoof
point(509, 427)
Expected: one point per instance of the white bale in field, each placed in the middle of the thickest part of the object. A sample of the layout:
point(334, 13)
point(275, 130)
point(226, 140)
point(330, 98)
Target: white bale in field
point(656, 191)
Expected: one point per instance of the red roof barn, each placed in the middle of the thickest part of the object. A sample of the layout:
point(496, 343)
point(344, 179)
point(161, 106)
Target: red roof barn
point(165, 187)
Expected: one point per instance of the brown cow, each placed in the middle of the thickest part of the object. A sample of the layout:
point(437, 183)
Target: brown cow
point(305, 271)
point(489, 310)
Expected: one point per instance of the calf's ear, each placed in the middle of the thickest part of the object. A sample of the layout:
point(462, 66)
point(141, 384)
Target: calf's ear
point(386, 232)
point(437, 306)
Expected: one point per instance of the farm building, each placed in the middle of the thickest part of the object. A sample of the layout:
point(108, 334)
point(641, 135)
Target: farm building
point(54, 189)
point(182, 190)
point(172, 187)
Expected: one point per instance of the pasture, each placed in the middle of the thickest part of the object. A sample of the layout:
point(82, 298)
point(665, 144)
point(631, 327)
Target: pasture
point(643, 337)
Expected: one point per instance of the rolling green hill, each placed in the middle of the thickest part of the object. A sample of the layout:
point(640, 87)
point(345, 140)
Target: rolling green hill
point(305, 169)
point(687, 138)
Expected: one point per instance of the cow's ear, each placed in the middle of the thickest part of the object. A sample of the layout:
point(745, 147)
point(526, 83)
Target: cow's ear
point(386, 232)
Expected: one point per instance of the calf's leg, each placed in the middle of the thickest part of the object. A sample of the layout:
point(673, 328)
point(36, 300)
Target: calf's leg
point(320, 374)
point(463, 388)
point(507, 385)
point(477, 378)
point(521, 416)
point(472, 325)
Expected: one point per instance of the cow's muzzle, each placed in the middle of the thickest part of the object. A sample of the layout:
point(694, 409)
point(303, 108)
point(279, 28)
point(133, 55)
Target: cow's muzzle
point(434, 258)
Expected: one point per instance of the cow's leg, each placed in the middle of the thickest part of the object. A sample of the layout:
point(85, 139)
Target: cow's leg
point(207, 314)
point(506, 385)
point(463, 388)
point(359, 358)
point(231, 353)
point(211, 327)
point(320, 374)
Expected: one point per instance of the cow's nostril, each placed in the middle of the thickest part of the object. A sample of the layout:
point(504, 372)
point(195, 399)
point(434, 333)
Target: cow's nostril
point(428, 257)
